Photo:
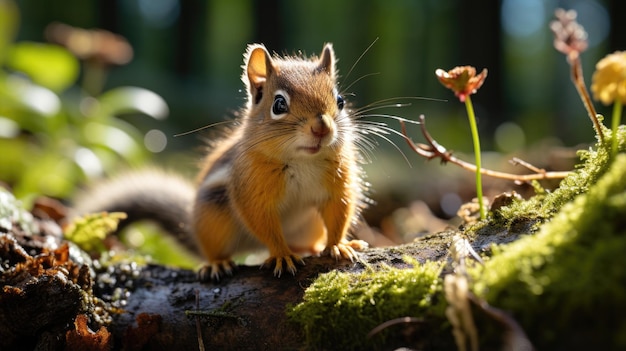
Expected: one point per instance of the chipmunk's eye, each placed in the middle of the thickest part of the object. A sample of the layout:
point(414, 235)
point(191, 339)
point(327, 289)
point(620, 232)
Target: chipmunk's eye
point(340, 102)
point(280, 106)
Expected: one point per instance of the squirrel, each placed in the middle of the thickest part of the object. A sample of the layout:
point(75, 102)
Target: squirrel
point(286, 178)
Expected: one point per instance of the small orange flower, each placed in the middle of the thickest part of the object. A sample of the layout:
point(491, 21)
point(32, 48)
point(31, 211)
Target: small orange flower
point(462, 80)
point(609, 79)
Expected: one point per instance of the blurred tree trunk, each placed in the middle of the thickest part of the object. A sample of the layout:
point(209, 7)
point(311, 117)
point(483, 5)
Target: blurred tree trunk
point(480, 45)
point(268, 27)
point(617, 39)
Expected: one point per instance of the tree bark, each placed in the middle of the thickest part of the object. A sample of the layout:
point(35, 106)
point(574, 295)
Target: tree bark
point(246, 311)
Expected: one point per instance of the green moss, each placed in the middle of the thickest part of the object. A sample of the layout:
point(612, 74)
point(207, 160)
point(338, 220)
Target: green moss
point(89, 231)
point(543, 206)
point(340, 309)
point(566, 284)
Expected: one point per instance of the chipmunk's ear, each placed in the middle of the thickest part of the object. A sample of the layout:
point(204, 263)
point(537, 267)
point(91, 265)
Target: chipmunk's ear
point(258, 67)
point(327, 60)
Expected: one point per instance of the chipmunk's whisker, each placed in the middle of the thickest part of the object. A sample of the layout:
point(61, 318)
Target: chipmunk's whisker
point(372, 107)
point(360, 79)
point(397, 118)
point(400, 98)
point(383, 128)
point(366, 146)
point(381, 131)
point(205, 127)
point(359, 60)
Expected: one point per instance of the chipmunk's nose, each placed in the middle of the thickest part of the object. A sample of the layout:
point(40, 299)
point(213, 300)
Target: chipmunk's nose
point(321, 126)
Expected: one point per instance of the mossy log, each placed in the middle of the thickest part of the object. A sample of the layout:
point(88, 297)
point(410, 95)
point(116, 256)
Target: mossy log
point(245, 311)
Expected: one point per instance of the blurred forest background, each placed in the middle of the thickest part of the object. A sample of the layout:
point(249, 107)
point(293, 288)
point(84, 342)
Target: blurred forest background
point(189, 53)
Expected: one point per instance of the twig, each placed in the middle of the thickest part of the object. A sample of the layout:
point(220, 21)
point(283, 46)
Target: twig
point(396, 321)
point(570, 38)
point(435, 150)
point(198, 328)
point(514, 338)
point(577, 77)
point(518, 161)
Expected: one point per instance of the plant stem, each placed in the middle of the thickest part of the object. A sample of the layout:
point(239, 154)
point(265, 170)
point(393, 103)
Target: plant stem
point(615, 121)
point(479, 186)
point(579, 83)
point(93, 77)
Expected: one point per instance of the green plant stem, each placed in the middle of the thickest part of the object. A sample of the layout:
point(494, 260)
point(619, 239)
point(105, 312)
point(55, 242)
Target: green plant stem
point(94, 77)
point(479, 186)
point(615, 121)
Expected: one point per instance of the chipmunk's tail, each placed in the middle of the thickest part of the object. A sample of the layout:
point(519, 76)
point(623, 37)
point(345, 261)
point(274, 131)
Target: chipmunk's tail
point(155, 195)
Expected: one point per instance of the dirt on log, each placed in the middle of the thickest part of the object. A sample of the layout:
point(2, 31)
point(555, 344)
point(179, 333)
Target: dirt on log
point(244, 311)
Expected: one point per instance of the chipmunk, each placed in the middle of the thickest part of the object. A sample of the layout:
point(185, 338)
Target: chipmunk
point(286, 178)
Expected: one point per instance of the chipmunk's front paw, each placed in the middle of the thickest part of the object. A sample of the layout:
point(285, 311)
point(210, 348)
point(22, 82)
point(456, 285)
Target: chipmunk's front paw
point(279, 262)
point(347, 249)
point(212, 271)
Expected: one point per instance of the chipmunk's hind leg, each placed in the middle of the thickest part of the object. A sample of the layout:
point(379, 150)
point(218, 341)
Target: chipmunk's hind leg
point(215, 270)
point(217, 233)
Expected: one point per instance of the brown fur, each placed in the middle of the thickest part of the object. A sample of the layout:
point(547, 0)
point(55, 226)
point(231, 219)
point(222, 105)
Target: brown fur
point(288, 182)
point(309, 151)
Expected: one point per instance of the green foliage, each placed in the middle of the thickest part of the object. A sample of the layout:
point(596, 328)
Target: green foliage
point(340, 309)
point(149, 240)
point(9, 19)
point(48, 65)
point(573, 268)
point(53, 134)
point(89, 231)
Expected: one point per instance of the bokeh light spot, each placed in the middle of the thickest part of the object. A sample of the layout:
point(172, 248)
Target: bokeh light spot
point(155, 141)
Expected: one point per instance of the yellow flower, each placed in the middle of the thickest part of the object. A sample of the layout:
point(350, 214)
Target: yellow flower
point(609, 79)
point(462, 80)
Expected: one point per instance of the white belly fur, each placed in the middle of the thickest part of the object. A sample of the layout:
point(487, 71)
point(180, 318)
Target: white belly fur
point(304, 194)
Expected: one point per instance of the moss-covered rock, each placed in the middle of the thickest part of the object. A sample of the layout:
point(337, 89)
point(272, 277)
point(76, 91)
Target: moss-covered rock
point(595, 162)
point(340, 309)
point(566, 284)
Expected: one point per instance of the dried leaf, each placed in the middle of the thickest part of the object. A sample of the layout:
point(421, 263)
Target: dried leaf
point(83, 338)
